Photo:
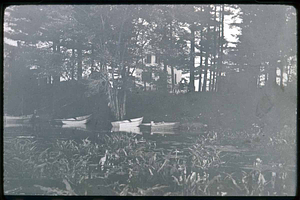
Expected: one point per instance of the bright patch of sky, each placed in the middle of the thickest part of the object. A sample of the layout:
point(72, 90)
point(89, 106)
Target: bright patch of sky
point(231, 33)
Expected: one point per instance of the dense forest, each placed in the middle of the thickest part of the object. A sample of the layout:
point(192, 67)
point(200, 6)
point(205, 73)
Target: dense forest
point(70, 55)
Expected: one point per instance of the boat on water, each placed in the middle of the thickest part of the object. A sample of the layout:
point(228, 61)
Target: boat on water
point(162, 125)
point(128, 123)
point(75, 121)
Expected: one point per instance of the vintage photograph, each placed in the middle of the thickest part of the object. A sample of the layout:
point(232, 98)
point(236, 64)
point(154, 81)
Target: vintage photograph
point(150, 100)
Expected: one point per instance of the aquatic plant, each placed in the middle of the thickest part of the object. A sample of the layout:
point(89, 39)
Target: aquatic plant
point(135, 166)
point(19, 156)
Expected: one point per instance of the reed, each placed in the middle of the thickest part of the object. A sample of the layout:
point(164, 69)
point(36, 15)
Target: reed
point(134, 166)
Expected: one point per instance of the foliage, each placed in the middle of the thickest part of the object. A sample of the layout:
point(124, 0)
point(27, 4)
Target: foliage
point(60, 42)
point(19, 157)
point(136, 166)
point(65, 45)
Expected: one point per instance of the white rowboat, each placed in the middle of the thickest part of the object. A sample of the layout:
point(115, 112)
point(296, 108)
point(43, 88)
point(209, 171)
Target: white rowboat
point(75, 120)
point(128, 123)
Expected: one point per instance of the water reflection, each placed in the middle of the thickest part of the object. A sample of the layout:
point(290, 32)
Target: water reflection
point(16, 119)
point(81, 126)
point(135, 130)
point(8, 125)
point(10, 121)
point(162, 131)
point(25, 137)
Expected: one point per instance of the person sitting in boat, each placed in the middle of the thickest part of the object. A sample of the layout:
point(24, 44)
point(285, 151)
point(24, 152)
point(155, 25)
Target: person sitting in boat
point(34, 120)
point(34, 116)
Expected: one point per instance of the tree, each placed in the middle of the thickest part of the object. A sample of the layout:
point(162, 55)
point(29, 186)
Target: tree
point(266, 44)
point(120, 50)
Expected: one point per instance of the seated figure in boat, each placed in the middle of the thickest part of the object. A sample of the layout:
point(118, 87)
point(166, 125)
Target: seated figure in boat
point(34, 120)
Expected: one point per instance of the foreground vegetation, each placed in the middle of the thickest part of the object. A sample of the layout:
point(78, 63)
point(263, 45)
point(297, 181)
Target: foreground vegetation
point(216, 163)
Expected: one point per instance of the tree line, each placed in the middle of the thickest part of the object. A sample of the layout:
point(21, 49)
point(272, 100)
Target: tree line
point(103, 45)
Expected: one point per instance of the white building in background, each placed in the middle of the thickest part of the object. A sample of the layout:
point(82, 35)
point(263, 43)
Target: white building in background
point(153, 61)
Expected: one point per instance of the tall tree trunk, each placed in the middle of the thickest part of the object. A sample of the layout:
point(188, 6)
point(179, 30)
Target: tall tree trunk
point(201, 58)
point(282, 65)
point(215, 51)
point(204, 86)
point(92, 60)
point(123, 111)
point(221, 38)
point(165, 77)
point(121, 95)
point(192, 64)
point(211, 74)
point(56, 50)
point(79, 65)
point(200, 71)
point(266, 73)
point(211, 79)
point(271, 84)
point(288, 73)
point(117, 110)
point(56, 75)
point(172, 75)
point(171, 63)
point(205, 72)
point(272, 68)
point(73, 64)
point(122, 103)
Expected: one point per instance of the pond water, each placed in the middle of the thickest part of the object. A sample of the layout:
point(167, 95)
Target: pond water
point(83, 160)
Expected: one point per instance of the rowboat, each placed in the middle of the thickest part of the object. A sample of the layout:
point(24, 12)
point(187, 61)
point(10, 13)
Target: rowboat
point(162, 125)
point(75, 121)
point(128, 123)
